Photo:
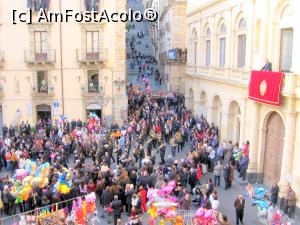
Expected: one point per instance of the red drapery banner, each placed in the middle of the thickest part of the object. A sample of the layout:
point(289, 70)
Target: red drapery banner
point(265, 87)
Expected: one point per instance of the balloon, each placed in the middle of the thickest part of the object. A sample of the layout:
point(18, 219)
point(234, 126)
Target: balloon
point(200, 212)
point(171, 214)
point(168, 189)
point(151, 221)
point(36, 182)
point(65, 189)
point(172, 183)
point(152, 211)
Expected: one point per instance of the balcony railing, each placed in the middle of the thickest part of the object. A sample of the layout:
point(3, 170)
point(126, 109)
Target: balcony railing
point(42, 91)
point(1, 57)
point(91, 57)
point(36, 5)
point(45, 57)
point(176, 55)
point(87, 91)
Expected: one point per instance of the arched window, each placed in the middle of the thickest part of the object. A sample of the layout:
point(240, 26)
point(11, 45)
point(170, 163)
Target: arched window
point(242, 23)
point(194, 46)
point(222, 45)
point(207, 47)
point(286, 39)
point(241, 43)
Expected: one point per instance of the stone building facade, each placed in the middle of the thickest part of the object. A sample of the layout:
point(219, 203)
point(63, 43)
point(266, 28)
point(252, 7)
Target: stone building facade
point(50, 69)
point(226, 39)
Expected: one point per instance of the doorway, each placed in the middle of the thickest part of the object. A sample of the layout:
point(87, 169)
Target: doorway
point(43, 112)
point(93, 109)
point(273, 149)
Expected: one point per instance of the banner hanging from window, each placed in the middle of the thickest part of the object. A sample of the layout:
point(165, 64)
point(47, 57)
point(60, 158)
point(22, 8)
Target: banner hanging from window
point(265, 87)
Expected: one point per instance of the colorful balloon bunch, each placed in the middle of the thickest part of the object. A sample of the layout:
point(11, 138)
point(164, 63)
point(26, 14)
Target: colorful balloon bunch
point(205, 217)
point(162, 204)
point(257, 194)
point(64, 183)
point(278, 220)
point(82, 209)
point(25, 180)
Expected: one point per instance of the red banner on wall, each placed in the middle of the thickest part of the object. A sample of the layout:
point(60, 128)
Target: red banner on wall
point(265, 87)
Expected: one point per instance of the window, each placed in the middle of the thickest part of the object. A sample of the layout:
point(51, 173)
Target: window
point(42, 82)
point(241, 50)
point(92, 41)
point(195, 53)
point(222, 45)
point(40, 41)
point(286, 52)
point(93, 81)
point(222, 52)
point(207, 47)
point(241, 43)
point(207, 52)
point(223, 28)
point(242, 23)
point(91, 5)
point(36, 5)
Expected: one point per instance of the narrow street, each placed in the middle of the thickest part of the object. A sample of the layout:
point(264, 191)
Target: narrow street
point(144, 46)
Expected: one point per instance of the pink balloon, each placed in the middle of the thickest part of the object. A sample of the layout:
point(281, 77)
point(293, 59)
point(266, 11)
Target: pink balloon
point(172, 183)
point(171, 199)
point(160, 192)
point(168, 190)
point(171, 214)
point(200, 212)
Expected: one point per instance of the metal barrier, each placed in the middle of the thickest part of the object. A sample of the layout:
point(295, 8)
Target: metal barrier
point(187, 216)
point(67, 204)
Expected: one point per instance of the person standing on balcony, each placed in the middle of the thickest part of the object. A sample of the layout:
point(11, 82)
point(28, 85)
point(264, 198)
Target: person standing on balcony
point(267, 66)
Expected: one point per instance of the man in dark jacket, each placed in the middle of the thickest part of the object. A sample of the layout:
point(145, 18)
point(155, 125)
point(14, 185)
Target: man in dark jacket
point(226, 173)
point(117, 209)
point(106, 198)
point(274, 193)
point(239, 205)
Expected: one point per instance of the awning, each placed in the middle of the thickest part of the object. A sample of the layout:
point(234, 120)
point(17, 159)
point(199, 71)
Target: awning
point(93, 107)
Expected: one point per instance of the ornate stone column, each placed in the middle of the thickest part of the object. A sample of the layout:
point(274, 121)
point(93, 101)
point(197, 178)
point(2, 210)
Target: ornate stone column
point(252, 174)
point(287, 155)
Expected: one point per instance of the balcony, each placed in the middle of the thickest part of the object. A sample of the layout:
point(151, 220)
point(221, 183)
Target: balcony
point(42, 91)
point(88, 91)
point(35, 58)
point(36, 5)
point(84, 57)
point(176, 55)
point(1, 58)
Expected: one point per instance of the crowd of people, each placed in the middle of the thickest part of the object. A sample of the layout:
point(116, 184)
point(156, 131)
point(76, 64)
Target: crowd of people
point(123, 164)
point(145, 64)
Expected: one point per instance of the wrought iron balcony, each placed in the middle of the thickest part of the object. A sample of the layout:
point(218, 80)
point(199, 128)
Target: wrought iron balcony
point(42, 91)
point(85, 57)
point(36, 5)
point(45, 57)
point(88, 91)
point(174, 56)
